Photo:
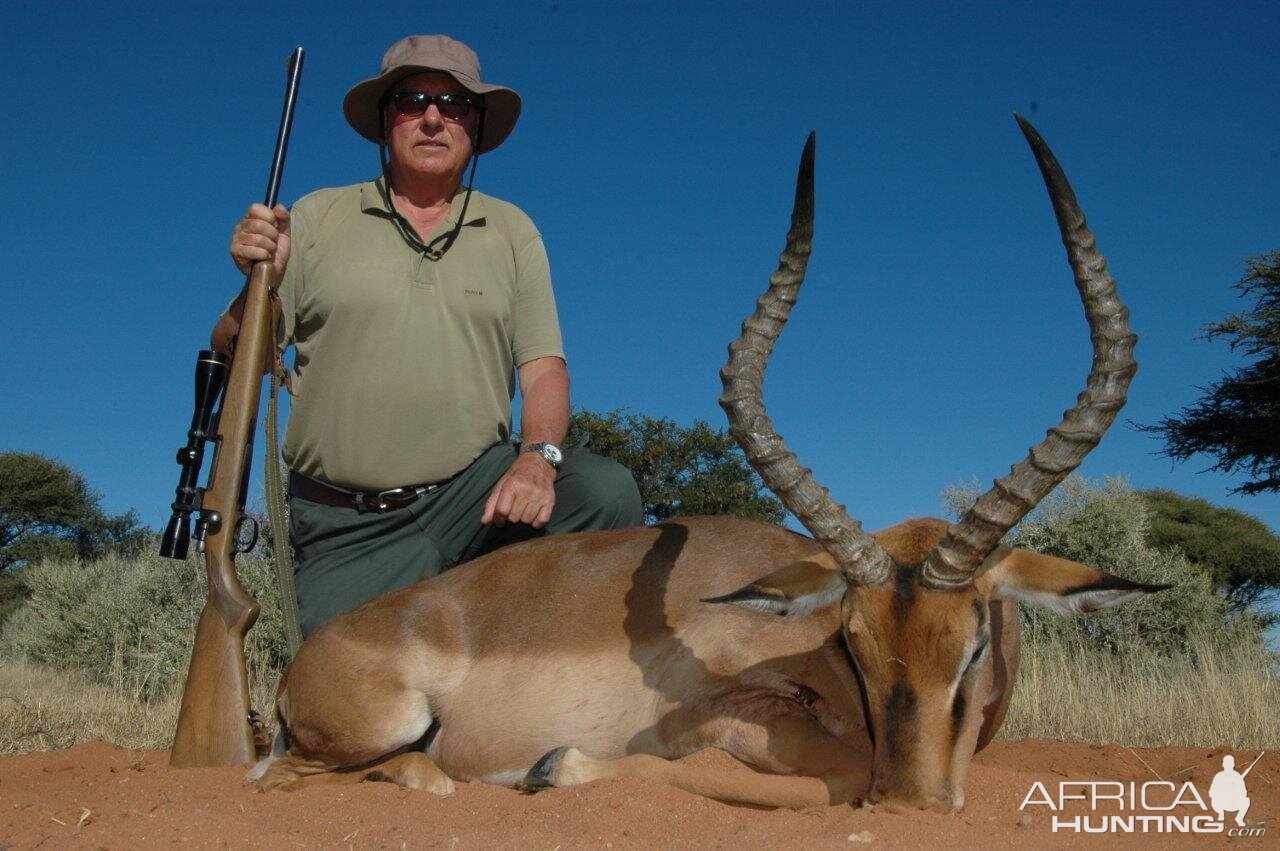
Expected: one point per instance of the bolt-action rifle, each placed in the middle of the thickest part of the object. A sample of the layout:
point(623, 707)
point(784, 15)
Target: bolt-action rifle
point(213, 724)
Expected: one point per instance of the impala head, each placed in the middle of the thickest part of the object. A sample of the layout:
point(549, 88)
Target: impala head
point(915, 599)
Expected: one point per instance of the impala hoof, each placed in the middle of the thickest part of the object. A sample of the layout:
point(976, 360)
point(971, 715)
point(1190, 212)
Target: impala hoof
point(544, 771)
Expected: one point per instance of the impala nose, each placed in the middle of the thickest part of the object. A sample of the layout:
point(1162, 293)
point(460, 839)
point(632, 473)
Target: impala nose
point(941, 802)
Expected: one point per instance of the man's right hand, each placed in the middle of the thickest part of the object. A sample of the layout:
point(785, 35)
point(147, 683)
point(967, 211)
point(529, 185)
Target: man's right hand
point(262, 234)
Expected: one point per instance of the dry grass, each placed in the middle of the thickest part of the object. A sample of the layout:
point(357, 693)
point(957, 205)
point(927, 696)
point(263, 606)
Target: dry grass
point(1220, 694)
point(42, 709)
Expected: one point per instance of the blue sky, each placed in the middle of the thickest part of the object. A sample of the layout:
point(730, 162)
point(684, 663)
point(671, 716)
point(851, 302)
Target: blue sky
point(937, 337)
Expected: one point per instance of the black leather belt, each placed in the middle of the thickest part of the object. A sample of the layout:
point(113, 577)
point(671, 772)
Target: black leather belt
point(312, 490)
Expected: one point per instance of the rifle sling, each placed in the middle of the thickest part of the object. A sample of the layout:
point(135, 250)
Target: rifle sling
point(274, 482)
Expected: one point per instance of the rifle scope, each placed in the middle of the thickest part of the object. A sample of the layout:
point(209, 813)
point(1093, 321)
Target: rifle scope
point(211, 377)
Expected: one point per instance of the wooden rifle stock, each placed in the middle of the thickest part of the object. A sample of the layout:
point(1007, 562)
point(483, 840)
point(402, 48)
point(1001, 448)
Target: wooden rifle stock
point(213, 723)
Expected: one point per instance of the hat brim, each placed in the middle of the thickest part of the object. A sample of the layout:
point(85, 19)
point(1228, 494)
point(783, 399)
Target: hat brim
point(501, 105)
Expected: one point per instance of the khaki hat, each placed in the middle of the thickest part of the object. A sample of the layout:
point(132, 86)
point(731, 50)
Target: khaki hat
point(419, 53)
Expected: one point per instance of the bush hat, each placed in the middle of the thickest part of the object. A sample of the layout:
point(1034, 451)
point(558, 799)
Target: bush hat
point(415, 55)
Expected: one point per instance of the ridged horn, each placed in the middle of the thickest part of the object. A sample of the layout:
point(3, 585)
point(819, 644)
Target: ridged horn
point(857, 553)
point(953, 562)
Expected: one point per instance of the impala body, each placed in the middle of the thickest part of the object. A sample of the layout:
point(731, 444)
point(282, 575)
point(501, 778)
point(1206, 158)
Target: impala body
point(844, 667)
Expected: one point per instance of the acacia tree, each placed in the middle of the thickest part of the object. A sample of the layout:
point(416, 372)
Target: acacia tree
point(1237, 420)
point(1238, 552)
point(47, 510)
point(679, 470)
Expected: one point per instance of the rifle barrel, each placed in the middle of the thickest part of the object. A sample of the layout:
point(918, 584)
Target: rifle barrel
point(286, 124)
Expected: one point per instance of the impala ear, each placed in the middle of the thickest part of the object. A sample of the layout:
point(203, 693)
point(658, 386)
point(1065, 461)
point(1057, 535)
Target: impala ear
point(794, 590)
point(1057, 584)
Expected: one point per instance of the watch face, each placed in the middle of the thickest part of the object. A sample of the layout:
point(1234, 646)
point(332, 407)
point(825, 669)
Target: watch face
point(549, 452)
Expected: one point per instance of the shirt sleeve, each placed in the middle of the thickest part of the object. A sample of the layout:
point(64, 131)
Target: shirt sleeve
point(537, 327)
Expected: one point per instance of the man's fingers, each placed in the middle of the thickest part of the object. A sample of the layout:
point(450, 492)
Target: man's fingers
point(522, 508)
point(489, 505)
point(534, 506)
point(269, 223)
point(502, 506)
point(528, 511)
point(253, 249)
point(255, 228)
point(253, 241)
point(250, 238)
point(519, 498)
point(261, 212)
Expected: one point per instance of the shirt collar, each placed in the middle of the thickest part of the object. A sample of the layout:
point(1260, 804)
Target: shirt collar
point(372, 201)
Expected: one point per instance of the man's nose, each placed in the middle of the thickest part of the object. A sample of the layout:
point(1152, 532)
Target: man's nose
point(431, 115)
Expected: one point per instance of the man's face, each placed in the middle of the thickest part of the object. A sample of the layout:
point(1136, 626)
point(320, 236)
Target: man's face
point(430, 145)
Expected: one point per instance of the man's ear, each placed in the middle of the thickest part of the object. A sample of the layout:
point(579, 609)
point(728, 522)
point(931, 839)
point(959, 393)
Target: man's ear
point(793, 590)
point(1056, 584)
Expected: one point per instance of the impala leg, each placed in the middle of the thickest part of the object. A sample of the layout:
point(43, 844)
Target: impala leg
point(412, 770)
point(799, 745)
point(811, 768)
point(569, 766)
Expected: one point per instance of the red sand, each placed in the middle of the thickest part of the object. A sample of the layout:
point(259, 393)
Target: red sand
point(99, 796)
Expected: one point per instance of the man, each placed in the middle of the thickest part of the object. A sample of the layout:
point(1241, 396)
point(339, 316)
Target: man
point(408, 300)
point(1227, 792)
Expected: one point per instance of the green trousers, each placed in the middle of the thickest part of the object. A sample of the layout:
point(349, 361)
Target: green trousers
point(344, 557)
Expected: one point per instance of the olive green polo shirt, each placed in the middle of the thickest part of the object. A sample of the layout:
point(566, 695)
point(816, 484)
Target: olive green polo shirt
point(404, 359)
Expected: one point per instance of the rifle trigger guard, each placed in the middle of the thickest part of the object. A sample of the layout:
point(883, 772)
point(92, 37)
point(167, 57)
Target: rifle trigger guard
point(246, 534)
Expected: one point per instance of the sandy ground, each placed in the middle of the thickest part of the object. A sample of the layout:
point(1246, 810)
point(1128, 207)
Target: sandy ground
point(100, 796)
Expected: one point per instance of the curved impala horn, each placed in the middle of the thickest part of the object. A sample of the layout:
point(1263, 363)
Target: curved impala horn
point(953, 562)
point(857, 553)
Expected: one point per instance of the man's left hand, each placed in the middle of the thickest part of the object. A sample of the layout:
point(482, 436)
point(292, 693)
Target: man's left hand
point(525, 493)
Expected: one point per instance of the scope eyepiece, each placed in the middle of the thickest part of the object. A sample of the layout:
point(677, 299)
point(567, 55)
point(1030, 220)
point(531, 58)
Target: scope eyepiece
point(177, 536)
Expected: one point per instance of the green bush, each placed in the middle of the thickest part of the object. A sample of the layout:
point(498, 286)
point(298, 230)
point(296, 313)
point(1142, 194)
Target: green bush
point(130, 622)
point(12, 593)
point(680, 471)
point(1105, 525)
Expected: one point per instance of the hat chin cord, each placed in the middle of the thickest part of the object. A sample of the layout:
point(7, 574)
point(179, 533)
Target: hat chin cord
point(445, 240)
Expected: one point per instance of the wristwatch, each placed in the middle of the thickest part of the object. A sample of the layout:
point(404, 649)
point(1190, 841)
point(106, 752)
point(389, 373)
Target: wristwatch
point(549, 452)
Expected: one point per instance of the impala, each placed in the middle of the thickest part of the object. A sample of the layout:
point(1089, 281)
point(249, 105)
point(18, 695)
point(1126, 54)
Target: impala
point(844, 667)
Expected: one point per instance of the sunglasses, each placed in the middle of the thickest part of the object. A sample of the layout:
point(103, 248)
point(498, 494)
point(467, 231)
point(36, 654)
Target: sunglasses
point(451, 106)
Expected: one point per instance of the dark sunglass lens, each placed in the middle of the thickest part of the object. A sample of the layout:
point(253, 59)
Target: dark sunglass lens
point(409, 103)
point(453, 106)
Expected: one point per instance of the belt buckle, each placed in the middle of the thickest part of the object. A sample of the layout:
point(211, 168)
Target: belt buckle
point(380, 498)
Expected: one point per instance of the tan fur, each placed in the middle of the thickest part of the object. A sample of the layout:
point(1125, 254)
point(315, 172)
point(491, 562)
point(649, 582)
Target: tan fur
point(603, 643)
point(911, 541)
